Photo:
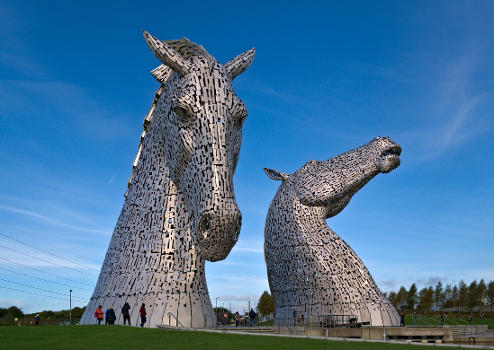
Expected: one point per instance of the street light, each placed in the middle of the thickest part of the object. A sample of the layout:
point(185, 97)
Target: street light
point(70, 306)
point(216, 326)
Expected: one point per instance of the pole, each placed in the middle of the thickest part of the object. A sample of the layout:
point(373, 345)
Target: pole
point(216, 326)
point(70, 306)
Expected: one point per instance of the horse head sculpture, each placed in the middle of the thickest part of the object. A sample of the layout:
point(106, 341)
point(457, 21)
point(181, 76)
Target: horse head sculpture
point(311, 270)
point(180, 207)
point(200, 118)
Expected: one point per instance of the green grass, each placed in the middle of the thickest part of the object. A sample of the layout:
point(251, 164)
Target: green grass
point(436, 321)
point(130, 338)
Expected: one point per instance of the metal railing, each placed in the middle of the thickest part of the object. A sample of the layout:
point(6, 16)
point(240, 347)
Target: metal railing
point(177, 322)
point(323, 321)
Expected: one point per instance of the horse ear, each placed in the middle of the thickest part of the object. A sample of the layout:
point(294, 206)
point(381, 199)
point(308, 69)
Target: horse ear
point(240, 63)
point(275, 174)
point(166, 54)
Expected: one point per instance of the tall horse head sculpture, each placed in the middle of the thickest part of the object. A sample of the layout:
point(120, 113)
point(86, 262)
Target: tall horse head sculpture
point(180, 206)
point(311, 270)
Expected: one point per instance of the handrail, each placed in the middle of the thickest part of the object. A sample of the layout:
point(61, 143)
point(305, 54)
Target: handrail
point(176, 319)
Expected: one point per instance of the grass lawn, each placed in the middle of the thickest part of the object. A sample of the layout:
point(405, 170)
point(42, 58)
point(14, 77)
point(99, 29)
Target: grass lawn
point(436, 321)
point(130, 338)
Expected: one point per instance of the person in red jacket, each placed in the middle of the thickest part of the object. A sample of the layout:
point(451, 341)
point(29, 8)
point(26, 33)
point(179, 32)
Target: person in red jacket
point(99, 314)
point(142, 311)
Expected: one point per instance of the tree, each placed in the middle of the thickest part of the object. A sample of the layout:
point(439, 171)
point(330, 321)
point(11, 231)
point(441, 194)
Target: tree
point(462, 294)
point(490, 293)
point(472, 299)
point(266, 304)
point(438, 296)
point(448, 297)
point(426, 299)
point(15, 311)
point(392, 299)
point(401, 298)
point(411, 300)
point(220, 314)
point(481, 293)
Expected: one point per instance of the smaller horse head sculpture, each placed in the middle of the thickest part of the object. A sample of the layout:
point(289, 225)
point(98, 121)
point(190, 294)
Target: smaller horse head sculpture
point(332, 183)
point(310, 268)
point(198, 124)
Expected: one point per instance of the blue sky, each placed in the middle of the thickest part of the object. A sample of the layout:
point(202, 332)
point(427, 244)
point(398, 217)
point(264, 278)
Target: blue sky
point(75, 87)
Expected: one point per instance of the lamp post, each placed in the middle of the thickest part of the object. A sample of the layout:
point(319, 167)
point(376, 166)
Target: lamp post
point(216, 326)
point(70, 306)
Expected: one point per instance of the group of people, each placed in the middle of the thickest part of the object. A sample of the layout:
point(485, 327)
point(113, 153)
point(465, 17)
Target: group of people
point(252, 318)
point(110, 317)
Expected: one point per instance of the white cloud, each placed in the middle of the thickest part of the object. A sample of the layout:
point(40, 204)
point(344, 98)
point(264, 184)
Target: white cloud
point(21, 304)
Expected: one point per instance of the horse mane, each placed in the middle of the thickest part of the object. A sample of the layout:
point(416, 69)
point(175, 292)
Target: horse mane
point(185, 48)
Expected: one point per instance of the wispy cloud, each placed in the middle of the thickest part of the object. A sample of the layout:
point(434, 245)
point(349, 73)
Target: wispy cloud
point(90, 117)
point(250, 247)
point(20, 303)
point(29, 257)
point(241, 298)
point(452, 116)
point(50, 220)
point(238, 278)
point(112, 178)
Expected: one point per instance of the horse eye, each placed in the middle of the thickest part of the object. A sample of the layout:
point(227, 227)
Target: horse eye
point(180, 111)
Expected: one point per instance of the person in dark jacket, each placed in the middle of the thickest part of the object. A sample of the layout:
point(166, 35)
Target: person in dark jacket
point(110, 316)
point(142, 311)
point(252, 316)
point(126, 312)
point(402, 320)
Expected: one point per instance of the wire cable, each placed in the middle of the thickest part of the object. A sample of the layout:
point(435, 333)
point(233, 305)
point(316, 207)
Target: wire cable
point(41, 289)
point(45, 280)
point(41, 259)
point(41, 250)
point(22, 291)
point(46, 273)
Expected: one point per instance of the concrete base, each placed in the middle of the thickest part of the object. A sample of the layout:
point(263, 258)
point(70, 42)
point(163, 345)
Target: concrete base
point(415, 334)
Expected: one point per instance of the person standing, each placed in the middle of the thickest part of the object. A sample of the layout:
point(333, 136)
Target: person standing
point(99, 314)
point(252, 316)
point(237, 319)
point(142, 311)
point(110, 316)
point(402, 320)
point(294, 317)
point(414, 318)
point(36, 320)
point(442, 320)
point(126, 313)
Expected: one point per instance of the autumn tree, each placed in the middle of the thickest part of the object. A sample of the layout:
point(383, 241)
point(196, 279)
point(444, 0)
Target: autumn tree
point(266, 304)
